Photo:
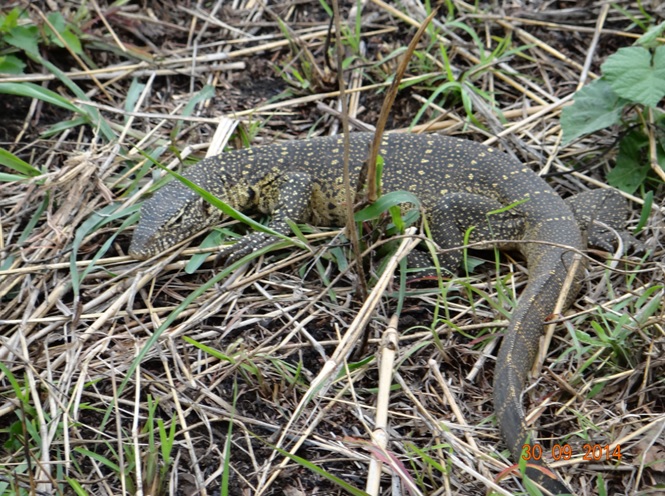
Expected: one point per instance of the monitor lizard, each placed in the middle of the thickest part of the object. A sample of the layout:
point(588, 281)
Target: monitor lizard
point(458, 182)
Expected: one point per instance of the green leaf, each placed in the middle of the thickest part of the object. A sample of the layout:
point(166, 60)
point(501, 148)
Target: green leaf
point(61, 126)
point(600, 483)
point(645, 213)
point(650, 38)
point(132, 97)
point(72, 41)
point(381, 205)
point(407, 219)
point(60, 26)
point(630, 170)
point(99, 458)
point(596, 106)
point(77, 487)
point(396, 216)
point(24, 37)
point(326, 7)
point(234, 360)
point(445, 89)
point(379, 173)
point(10, 178)
point(16, 385)
point(91, 113)
point(31, 90)
point(637, 74)
point(206, 93)
point(9, 21)
point(10, 160)
point(9, 64)
point(213, 239)
point(321, 472)
point(97, 220)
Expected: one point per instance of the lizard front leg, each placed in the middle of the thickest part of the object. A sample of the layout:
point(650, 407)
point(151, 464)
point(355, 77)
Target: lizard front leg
point(293, 197)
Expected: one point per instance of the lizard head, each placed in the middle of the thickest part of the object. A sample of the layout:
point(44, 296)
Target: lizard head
point(174, 213)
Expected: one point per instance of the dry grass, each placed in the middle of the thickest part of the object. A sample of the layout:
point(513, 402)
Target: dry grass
point(97, 349)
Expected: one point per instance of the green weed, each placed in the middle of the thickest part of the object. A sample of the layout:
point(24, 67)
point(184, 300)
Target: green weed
point(157, 462)
point(632, 85)
point(18, 33)
point(22, 437)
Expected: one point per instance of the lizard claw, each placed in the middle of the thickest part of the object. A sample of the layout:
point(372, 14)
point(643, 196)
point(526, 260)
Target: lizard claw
point(606, 239)
point(243, 247)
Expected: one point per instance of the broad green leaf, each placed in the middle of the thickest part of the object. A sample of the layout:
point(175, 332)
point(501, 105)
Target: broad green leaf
point(57, 21)
point(24, 37)
point(132, 96)
point(97, 220)
point(645, 213)
point(407, 219)
point(60, 25)
point(650, 38)
point(596, 107)
point(72, 41)
point(396, 216)
point(637, 74)
point(450, 87)
point(206, 93)
point(631, 168)
point(16, 385)
point(11, 65)
point(93, 115)
point(600, 483)
point(386, 201)
point(100, 458)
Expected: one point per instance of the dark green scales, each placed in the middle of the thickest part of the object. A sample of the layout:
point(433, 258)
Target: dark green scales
point(458, 183)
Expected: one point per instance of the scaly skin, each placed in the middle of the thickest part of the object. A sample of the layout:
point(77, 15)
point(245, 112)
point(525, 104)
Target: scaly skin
point(458, 182)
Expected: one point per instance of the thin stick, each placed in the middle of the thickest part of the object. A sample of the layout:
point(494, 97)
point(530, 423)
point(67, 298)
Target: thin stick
point(351, 231)
point(385, 111)
point(388, 350)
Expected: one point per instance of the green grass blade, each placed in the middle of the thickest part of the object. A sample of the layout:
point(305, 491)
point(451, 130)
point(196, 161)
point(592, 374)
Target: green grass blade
point(11, 161)
point(381, 205)
point(326, 475)
point(31, 90)
point(101, 459)
point(77, 487)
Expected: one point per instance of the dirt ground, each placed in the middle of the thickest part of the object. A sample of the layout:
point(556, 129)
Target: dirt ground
point(168, 377)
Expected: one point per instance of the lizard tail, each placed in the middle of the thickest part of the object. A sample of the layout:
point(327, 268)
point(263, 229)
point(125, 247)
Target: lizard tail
point(516, 356)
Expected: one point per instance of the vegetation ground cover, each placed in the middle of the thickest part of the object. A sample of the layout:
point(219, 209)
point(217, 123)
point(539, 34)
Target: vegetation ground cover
point(170, 377)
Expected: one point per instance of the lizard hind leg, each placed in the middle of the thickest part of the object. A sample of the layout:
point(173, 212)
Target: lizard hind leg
point(594, 208)
point(455, 214)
